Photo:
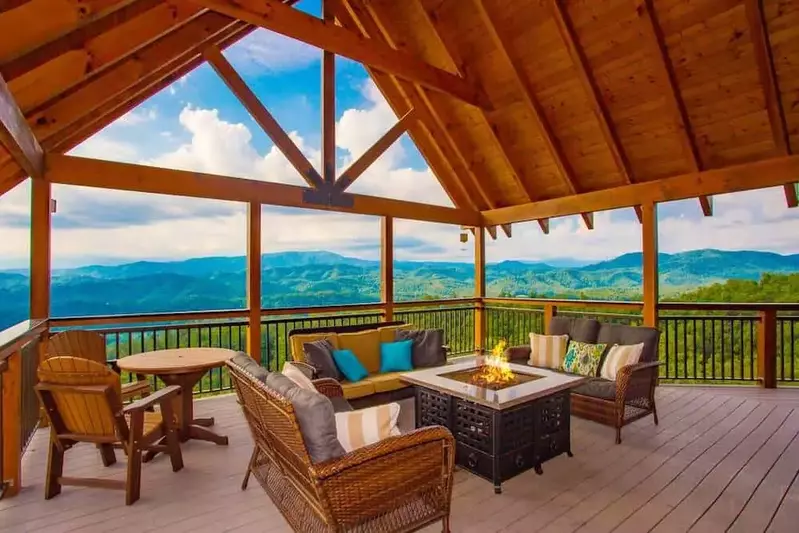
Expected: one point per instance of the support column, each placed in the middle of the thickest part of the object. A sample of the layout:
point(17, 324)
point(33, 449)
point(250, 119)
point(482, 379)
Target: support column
point(649, 230)
point(328, 104)
point(11, 456)
point(550, 311)
point(254, 280)
point(479, 290)
point(41, 200)
point(387, 267)
point(767, 348)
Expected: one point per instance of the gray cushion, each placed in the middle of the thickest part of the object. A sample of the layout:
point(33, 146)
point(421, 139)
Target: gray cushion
point(625, 335)
point(597, 388)
point(319, 354)
point(315, 416)
point(340, 404)
point(251, 366)
point(428, 346)
point(578, 329)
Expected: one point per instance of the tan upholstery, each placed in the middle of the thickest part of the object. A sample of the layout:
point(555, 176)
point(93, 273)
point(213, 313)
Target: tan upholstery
point(366, 347)
point(357, 390)
point(297, 353)
point(387, 382)
point(387, 332)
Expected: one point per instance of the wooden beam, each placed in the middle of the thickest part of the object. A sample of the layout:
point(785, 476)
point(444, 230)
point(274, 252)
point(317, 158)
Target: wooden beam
point(41, 200)
point(767, 333)
point(8, 183)
point(648, 16)
point(295, 24)
point(586, 75)
point(262, 116)
point(387, 267)
point(758, 32)
point(254, 280)
point(479, 290)
point(375, 151)
point(16, 135)
point(75, 37)
point(328, 103)
point(8, 5)
point(71, 170)
point(649, 247)
point(505, 47)
point(769, 173)
point(10, 418)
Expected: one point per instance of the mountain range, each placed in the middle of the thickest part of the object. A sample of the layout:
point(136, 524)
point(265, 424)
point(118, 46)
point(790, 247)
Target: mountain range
point(294, 279)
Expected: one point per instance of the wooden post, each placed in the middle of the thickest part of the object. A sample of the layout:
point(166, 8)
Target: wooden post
point(550, 310)
point(649, 230)
point(328, 104)
point(387, 267)
point(479, 290)
point(767, 348)
point(12, 409)
point(254, 279)
point(40, 248)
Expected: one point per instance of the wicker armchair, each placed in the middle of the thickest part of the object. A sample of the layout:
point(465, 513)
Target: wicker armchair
point(402, 483)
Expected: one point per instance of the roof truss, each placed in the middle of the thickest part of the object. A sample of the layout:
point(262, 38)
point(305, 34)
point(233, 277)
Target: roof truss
point(17, 137)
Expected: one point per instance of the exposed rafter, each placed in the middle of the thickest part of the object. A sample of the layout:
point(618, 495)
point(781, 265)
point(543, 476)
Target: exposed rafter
point(328, 103)
point(71, 170)
point(646, 13)
point(376, 150)
point(758, 32)
point(748, 176)
point(8, 5)
point(263, 117)
point(327, 36)
point(6, 184)
point(75, 37)
point(533, 105)
point(17, 137)
point(586, 75)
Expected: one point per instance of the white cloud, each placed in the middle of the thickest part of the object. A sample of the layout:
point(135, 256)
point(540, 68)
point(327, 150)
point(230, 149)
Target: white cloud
point(137, 116)
point(264, 50)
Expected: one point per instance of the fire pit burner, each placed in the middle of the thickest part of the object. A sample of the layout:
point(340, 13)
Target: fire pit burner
point(480, 376)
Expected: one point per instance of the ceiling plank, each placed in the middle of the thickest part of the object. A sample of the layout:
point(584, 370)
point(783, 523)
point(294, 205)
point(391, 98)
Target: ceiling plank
point(758, 31)
point(504, 47)
point(657, 42)
point(8, 5)
point(6, 184)
point(327, 36)
point(17, 137)
point(263, 117)
point(586, 75)
point(768, 173)
point(71, 170)
point(75, 37)
point(375, 151)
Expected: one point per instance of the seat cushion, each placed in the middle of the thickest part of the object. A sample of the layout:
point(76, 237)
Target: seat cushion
point(315, 416)
point(340, 404)
point(297, 341)
point(387, 382)
point(597, 388)
point(611, 334)
point(251, 366)
point(357, 390)
point(366, 347)
point(578, 329)
point(389, 333)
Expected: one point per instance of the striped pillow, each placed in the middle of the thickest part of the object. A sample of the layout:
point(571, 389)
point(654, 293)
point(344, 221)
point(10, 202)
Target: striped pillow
point(356, 429)
point(618, 357)
point(547, 351)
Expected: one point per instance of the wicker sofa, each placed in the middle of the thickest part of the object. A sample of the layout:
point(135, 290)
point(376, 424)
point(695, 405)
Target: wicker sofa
point(401, 483)
point(377, 388)
point(615, 403)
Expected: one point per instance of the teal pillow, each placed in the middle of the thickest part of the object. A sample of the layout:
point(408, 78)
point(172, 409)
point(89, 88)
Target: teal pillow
point(396, 356)
point(349, 365)
point(583, 358)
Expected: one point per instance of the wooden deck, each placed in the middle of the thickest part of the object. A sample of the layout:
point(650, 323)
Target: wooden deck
point(721, 460)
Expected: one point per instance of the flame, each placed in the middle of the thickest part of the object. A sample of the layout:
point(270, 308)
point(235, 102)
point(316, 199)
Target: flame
point(496, 368)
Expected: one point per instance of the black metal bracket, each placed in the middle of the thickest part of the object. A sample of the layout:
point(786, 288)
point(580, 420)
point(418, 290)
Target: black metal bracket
point(328, 196)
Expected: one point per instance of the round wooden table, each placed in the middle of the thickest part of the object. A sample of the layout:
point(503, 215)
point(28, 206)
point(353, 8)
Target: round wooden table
point(184, 367)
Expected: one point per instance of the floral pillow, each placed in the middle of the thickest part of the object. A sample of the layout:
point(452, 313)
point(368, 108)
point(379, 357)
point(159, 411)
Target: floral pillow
point(583, 358)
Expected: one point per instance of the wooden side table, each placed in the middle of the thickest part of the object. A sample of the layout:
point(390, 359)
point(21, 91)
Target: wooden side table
point(184, 367)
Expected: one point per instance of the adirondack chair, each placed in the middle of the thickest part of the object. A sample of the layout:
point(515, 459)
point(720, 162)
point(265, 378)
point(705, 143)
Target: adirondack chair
point(91, 345)
point(82, 402)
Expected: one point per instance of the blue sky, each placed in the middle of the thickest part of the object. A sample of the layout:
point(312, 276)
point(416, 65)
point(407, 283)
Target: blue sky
point(197, 124)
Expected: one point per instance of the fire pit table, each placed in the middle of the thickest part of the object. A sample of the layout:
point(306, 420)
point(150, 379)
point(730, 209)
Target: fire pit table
point(504, 422)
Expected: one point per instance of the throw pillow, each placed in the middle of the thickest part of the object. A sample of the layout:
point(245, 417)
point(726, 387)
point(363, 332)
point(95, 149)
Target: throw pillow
point(349, 365)
point(366, 347)
point(319, 354)
point(315, 417)
point(619, 356)
point(396, 356)
point(547, 351)
point(297, 340)
point(583, 358)
point(360, 428)
point(428, 346)
point(296, 375)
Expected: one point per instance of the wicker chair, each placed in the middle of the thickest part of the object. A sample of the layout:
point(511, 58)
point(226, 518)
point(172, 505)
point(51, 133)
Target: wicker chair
point(402, 483)
point(91, 345)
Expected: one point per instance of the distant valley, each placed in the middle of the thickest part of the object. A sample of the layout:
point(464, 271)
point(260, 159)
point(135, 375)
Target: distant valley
point(293, 279)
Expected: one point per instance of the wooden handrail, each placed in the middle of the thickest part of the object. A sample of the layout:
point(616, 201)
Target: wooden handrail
point(725, 306)
point(17, 336)
point(435, 303)
point(147, 317)
point(610, 304)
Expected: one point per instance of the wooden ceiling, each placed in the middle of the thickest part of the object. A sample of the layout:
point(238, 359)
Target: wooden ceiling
point(531, 100)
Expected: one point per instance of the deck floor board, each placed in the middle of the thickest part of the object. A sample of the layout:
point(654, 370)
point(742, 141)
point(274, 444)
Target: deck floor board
point(721, 458)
